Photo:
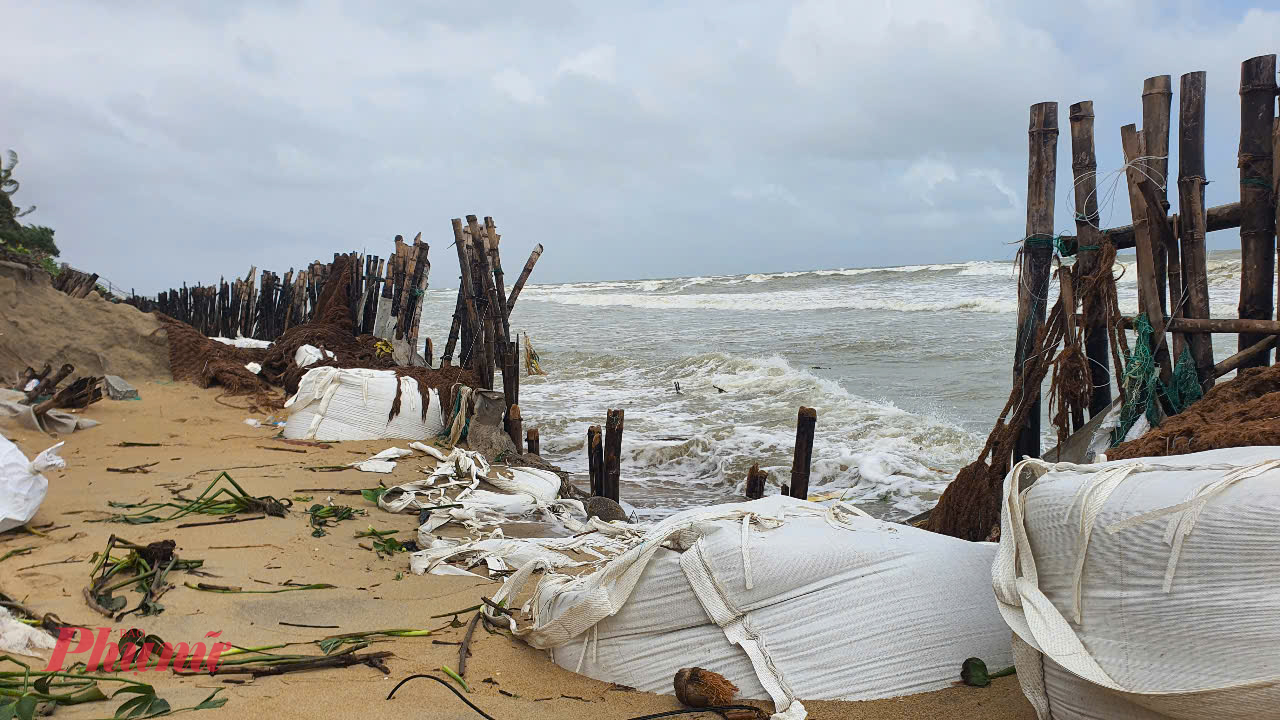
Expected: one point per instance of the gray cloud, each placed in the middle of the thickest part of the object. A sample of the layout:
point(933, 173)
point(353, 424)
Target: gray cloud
point(171, 142)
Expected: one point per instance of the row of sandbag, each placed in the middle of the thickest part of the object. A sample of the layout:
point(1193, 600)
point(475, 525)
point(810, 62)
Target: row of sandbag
point(1144, 589)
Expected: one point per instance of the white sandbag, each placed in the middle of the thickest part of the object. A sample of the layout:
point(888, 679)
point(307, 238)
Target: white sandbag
point(334, 404)
point(22, 487)
point(308, 355)
point(243, 342)
point(785, 597)
point(1147, 588)
point(22, 639)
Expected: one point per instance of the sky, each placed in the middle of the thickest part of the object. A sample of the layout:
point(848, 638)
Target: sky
point(183, 141)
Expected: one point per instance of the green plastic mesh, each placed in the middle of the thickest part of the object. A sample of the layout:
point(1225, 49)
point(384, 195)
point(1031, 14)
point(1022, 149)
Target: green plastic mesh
point(1142, 387)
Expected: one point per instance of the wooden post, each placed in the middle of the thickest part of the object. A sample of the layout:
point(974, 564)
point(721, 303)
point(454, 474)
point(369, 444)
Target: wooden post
point(428, 353)
point(524, 275)
point(595, 460)
point(755, 482)
point(49, 383)
point(472, 328)
point(613, 454)
point(1036, 255)
point(1275, 198)
point(802, 461)
point(1068, 295)
point(515, 428)
point(533, 441)
point(1157, 99)
point(1084, 167)
point(1192, 217)
point(1148, 290)
point(1258, 220)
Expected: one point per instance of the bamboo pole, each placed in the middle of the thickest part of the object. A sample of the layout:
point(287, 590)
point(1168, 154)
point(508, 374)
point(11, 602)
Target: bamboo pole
point(1036, 255)
point(613, 454)
point(1235, 361)
point(802, 460)
point(1157, 97)
point(1192, 221)
point(524, 275)
point(1148, 291)
point(1068, 296)
point(466, 294)
point(533, 441)
point(1084, 168)
point(1218, 217)
point(515, 428)
point(1257, 220)
point(1219, 325)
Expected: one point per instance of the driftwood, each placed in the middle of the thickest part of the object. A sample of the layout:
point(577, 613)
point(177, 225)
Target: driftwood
point(801, 463)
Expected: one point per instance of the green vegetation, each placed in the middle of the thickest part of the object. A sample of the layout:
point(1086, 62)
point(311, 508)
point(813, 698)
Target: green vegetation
point(33, 241)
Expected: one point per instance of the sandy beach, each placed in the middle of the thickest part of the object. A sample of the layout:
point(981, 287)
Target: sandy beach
point(200, 435)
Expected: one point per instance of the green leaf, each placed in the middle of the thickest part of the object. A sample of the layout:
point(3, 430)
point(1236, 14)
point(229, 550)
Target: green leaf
point(25, 708)
point(212, 702)
point(42, 684)
point(373, 494)
point(7, 710)
point(135, 690)
point(974, 673)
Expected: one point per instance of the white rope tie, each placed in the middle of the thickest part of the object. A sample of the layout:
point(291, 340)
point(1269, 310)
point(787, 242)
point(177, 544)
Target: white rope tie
point(746, 550)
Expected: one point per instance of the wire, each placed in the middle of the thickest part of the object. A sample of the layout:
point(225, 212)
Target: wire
point(452, 689)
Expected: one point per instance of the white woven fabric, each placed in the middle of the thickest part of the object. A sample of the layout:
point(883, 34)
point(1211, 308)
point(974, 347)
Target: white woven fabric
point(334, 404)
point(838, 606)
point(22, 486)
point(1145, 589)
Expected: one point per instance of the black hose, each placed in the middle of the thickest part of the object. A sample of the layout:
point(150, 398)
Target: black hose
point(452, 689)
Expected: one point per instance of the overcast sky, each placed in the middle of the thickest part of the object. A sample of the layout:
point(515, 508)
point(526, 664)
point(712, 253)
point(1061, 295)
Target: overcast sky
point(171, 141)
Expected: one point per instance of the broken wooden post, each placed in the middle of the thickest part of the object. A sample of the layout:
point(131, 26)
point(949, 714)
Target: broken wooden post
point(1257, 221)
point(1192, 218)
point(612, 454)
point(1084, 168)
point(1035, 256)
point(471, 327)
point(802, 461)
point(524, 276)
point(595, 460)
point(47, 384)
point(515, 428)
point(533, 442)
point(1148, 291)
point(428, 353)
point(755, 482)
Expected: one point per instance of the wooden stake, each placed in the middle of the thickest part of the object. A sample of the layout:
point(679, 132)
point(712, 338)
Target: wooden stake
point(1235, 361)
point(1084, 167)
point(802, 461)
point(613, 454)
point(1192, 218)
point(595, 460)
point(1068, 295)
point(1037, 253)
point(1148, 291)
point(533, 441)
point(1258, 220)
point(524, 275)
point(755, 482)
point(49, 382)
point(1157, 97)
point(472, 328)
point(515, 428)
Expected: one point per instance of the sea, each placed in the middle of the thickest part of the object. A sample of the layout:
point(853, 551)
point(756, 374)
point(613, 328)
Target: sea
point(907, 368)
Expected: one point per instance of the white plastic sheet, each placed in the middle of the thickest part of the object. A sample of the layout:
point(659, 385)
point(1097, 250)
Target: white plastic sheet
point(244, 342)
point(334, 404)
point(785, 597)
point(308, 355)
point(18, 637)
point(1146, 588)
point(22, 486)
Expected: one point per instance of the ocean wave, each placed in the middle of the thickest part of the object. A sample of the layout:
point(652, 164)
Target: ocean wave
point(798, 300)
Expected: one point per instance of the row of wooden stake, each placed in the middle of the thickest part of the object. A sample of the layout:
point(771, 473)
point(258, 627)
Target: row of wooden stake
point(1171, 254)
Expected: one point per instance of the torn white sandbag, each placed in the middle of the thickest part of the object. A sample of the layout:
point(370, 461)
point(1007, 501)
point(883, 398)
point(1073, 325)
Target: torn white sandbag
point(374, 466)
point(334, 404)
point(496, 553)
point(22, 486)
point(243, 342)
point(21, 639)
point(392, 453)
point(309, 355)
point(12, 404)
point(1145, 588)
point(253, 367)
point(784, 597)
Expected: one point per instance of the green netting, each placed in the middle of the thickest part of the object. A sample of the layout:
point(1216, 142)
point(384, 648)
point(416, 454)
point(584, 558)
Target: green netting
point(1142, 387)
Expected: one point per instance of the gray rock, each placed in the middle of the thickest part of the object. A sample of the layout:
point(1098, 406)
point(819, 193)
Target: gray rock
point(118, 389)
point(605, 509)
